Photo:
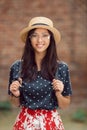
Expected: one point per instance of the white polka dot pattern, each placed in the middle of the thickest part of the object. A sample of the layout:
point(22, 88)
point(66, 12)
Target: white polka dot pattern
point(39, 93)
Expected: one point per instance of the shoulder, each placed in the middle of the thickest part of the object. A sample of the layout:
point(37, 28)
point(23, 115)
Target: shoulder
point(15, 70)
point(16, 64)
point(62, 70)
point(62, 65)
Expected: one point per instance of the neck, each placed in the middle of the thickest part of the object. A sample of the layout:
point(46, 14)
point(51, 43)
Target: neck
point(38, 58)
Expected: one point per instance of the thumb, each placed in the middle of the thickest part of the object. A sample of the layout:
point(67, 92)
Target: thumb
point(20, 80)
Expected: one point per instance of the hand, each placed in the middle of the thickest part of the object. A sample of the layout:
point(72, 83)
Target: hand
point(58, 85)
point(14, 87)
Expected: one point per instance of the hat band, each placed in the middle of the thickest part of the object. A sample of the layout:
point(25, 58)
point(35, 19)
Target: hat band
point(40, 24)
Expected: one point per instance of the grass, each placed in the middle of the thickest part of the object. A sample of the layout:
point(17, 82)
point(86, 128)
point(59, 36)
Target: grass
point(71, 121)
point(7, 118)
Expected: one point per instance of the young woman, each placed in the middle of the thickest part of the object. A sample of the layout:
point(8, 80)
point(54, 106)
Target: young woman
point(40, 83)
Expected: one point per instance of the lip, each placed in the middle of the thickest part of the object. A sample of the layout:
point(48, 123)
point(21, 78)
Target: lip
point(39, 45)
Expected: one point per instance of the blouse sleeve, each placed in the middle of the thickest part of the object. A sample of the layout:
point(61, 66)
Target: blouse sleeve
point(64, 76)
point(13, 74)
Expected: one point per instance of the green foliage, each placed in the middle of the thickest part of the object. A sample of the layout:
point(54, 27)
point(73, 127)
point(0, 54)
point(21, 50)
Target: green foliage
point(79, 116)
point(5, 105)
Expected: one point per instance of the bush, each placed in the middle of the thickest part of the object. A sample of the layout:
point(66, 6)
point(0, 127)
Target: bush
point(79, 115)
point(5, 105)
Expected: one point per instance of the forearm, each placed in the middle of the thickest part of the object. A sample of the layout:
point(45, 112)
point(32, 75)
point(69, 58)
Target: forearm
point(63, 101)
point(15, 101)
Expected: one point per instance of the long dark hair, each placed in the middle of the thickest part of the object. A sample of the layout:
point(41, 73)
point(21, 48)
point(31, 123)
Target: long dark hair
point(48, 65)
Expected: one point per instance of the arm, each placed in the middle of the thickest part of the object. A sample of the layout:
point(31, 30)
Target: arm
point(15, 92)
point(63, 101)
point(14, 100)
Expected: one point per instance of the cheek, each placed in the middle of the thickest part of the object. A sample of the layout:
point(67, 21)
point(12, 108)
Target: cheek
point(48, 44)
point(33, 43)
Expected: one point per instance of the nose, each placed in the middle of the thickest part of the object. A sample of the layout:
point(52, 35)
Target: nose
point(40, 38)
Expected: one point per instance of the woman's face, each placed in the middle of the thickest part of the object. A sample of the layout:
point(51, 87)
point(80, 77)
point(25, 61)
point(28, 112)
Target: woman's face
point(40, 40)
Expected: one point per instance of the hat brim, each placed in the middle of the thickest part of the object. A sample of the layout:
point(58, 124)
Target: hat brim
point(56, 33)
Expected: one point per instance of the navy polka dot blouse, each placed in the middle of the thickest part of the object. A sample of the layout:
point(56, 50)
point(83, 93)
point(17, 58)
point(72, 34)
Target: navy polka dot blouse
point(39, 93)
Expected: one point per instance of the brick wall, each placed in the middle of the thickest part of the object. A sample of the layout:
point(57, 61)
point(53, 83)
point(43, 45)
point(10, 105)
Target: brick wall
point(69, 17)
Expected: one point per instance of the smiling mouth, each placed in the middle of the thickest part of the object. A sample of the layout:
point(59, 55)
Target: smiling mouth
point(40, 45)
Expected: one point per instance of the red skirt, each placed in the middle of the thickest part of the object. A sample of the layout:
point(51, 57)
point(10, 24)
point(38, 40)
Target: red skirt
point(38, 120)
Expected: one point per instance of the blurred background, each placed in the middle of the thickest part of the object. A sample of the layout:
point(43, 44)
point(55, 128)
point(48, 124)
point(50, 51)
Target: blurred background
point(70, 17)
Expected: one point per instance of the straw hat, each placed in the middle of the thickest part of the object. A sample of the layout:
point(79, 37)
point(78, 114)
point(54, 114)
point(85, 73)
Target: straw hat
point(40, 22)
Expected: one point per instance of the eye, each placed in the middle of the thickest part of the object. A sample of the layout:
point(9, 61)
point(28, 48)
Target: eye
point(33, 35)
point(36, 36)
point(45, 35)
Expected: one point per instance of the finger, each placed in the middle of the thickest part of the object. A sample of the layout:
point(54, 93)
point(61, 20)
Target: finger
point(20, 80)
point(15, 85)
point(56, 81)
point(15, 82)
point(13, 89)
